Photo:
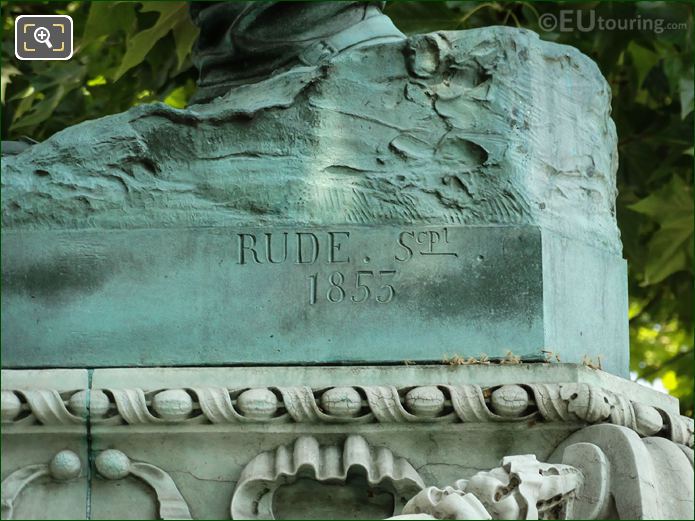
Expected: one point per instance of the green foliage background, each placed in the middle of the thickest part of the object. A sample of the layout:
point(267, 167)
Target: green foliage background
point(129, 53)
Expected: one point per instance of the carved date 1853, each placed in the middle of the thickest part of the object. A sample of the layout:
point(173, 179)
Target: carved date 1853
point(333, 247)
point(362, 291)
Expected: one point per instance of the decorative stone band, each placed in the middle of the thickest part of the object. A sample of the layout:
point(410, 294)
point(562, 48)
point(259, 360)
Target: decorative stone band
point(573, 402)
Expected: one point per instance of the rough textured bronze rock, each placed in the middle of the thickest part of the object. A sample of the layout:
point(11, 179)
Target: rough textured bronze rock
point(488, 126)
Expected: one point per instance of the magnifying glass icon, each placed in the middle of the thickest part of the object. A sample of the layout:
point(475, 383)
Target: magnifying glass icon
point(43, 35)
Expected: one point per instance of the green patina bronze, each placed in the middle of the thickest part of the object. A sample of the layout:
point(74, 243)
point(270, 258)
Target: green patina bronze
point(305, 295)
point(120, 232)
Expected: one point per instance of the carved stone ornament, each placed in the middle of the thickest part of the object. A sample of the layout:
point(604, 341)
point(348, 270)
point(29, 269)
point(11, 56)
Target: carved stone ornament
point(628, 477)
point(64, 466)
point(113, 464)
point(607, 472)
point(521, 488)
point(326, 464)
point(571, 402)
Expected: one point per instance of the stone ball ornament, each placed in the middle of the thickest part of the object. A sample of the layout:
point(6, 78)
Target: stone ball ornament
point(509, 400)
point(257, 404)
point(65, 465)
point(427, 401)
point(9, 406)
point(649, 421)
point(344, 402)
point(113, 464)
point(173, 405)
point(97, 402)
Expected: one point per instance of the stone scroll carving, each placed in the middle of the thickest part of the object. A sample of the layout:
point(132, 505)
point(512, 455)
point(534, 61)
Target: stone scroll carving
point(329, 464)
point(607, 472)
point(628, 477)
point(521, 488)
point(113, 464)
point(46, 406)
point(64, 466)
point(572, 402)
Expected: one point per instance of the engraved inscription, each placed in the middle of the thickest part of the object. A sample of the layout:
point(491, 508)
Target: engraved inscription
point(285, 293)
point(368, 285)
point(429, 242)
point(334, 247)
point(297, 247)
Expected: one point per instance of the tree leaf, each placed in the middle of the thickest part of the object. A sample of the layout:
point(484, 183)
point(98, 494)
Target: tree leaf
point(8, 71)
point(170, 15)
point(685, 88)
point(105, 18)
point(185, 34)
point(668, 253)
point(41, 111)
point(643, 61)
point(23, 106)
point(670, 248)
point(673, 200)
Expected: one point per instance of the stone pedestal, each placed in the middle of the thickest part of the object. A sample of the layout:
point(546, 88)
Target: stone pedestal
point(358, 294)
point(380, 244)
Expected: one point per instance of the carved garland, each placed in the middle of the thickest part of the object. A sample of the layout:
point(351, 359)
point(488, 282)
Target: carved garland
point(113, 464)
point(64, 466)
point(573, 402)
point(110, 464)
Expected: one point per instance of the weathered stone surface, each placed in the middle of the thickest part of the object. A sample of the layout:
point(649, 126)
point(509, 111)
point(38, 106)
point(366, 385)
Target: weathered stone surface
point(520, 488)
point(648, 478)
point(146, 466)
point(114, 465)
point(255, 495)
point(45, 473)
point(483, 127)
point(307, 295)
